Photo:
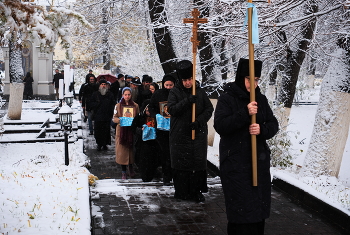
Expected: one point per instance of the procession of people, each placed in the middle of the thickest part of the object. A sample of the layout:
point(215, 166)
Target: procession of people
point(155, 131)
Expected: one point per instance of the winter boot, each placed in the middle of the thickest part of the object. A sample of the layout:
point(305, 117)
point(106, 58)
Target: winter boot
point(123, 175)
point(131, 171)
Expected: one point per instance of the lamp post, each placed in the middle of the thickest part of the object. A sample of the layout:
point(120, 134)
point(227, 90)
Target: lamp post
point(68, 98)
point(65, 115)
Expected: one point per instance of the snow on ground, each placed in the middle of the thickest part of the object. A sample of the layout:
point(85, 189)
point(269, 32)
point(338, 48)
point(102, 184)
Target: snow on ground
point(39, 194)
point(331, 190)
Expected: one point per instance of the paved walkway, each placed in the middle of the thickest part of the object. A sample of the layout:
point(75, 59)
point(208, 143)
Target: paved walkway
point(134, 207)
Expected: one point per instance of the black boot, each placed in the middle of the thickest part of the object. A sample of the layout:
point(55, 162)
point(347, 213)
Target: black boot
point(199, 197)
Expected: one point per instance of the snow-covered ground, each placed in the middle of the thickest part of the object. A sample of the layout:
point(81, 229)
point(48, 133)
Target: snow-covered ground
point(40, 195)
point(334, 191)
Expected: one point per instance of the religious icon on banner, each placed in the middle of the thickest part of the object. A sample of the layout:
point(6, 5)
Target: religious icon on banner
point(128, 111)
point(163, 109)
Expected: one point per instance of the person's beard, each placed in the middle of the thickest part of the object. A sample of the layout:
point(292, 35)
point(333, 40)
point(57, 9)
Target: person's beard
point(102, 90)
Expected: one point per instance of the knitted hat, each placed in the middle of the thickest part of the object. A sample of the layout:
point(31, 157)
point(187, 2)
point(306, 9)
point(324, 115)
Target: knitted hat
point(168, 77)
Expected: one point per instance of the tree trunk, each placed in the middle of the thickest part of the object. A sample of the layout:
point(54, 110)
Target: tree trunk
point(15, 102)
point(295, 59)
point(331, 127)
point(223, 60)
point(162, 36)
point(16, 86)
point(105, 45)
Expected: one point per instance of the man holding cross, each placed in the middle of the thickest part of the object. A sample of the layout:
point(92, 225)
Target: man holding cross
point(188, 156)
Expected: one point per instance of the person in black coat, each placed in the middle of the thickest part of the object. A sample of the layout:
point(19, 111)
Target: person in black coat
point(56, 81)
point(102, 103)
point(158, 96)
point(188, 157)
point(143, 90)
point(247, 206)
point(147, 152)
point(87, 90)
point(115, 87)
point(87, 77)
point(28, 86)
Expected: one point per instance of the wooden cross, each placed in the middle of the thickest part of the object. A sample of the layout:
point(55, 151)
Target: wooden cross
point(195, 43)
point(195, 20)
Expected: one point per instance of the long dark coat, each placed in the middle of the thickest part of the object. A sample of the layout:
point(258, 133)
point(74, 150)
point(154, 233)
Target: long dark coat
point(103, 108)
point(147, 152)
point(187, 154)
point(28, 85)
point(87, 90)
point(244, 203)
point(161, 95)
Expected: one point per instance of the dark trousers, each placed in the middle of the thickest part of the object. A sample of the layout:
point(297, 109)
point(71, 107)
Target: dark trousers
point(102, 133)
point(246, 229)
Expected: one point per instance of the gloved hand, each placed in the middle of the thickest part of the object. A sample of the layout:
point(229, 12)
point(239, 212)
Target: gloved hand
point(192, 99)
point(194, 125)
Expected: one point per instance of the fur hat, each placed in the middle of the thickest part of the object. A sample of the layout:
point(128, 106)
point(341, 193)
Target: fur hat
point(184, 69)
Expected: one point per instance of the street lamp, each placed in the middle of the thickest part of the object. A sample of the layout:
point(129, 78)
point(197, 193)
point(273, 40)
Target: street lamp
point(65, 115)
point(68, 99)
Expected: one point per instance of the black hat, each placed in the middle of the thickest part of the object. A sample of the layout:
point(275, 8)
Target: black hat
point(102, 81)
point(243, 67)
point(90, 70)
point(184, 69)
point(120, 76)
point(243, 71)
point(146, 78)
point(135, 81)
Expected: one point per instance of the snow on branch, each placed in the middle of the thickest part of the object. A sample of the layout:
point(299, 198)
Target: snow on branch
point(35, 23)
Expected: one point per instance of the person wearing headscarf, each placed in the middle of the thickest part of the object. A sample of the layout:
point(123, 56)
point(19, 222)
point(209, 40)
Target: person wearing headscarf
point(124, 137)
point(247, 206)
point(161, 97)
point(146, 152)
point(102, 104)
point(188, 157)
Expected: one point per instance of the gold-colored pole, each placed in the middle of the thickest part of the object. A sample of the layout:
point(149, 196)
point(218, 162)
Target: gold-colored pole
point(195, 20)
point(194, 93)
point(252, 94)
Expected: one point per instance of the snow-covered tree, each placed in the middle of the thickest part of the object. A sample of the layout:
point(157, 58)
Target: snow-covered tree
point(25, 21)
point(330, 133)
point(129, 41)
